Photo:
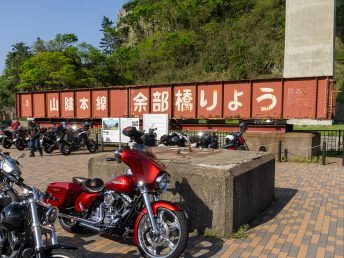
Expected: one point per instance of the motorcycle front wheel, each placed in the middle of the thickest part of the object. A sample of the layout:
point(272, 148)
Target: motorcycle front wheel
point(20, 145)
point(91, 146)
point(65, 148)
point(62, 253)
point(6, 143)
point(172, 239)
point(48, 148)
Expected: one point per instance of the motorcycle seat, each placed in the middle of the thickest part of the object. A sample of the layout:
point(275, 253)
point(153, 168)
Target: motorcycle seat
point(79, 180)
point(89, 185)
point(94, 185)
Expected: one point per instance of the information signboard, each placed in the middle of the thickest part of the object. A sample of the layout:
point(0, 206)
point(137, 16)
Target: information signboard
point(111, 128)
point(158, 121)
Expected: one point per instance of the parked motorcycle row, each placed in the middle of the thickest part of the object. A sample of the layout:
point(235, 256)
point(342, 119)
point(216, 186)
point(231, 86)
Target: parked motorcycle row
point(62, 138)
point(126, 206)
point(233, 141)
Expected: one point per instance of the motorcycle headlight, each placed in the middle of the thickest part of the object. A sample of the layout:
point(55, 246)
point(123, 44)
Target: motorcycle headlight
point(51, 215)
point(7, 168)
point(163, 181)
point(230, 137)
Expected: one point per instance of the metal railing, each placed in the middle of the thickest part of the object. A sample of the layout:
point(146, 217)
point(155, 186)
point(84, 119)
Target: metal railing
point(334, 140)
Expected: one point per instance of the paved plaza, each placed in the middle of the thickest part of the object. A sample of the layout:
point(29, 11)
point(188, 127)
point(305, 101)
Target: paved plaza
point(306, 219)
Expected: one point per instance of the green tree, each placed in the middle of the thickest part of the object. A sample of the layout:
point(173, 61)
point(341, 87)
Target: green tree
point(39, 46)
point(111, 37)
point(48, 70)
point(61, 42)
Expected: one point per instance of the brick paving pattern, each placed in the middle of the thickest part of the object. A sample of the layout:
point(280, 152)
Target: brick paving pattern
point(306, 219)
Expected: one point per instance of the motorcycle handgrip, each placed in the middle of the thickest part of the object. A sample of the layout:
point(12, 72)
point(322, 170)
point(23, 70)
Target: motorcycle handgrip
point(111, 159)
point(49, 196)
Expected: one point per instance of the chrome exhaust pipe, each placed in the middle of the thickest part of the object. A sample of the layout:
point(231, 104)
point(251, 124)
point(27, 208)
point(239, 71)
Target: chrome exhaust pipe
point(91, 227)
point(83, 222)
point(62, 215)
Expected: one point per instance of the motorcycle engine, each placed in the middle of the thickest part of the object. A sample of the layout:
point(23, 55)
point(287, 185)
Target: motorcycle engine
point(112, 209)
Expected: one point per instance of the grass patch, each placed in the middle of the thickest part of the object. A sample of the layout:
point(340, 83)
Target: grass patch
point(318, 127)
point(241, 232)
point(232, 122)
point(314, 159)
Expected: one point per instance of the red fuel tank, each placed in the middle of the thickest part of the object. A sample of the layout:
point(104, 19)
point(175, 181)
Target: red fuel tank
point(122, 184)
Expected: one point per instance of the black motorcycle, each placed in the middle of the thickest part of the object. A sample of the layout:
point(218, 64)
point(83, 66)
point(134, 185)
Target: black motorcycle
point(7, 137)
point(205, 140)
point(49, 140)
point(22, 139)
point(149, 139)
point(235, 141)
point(73, 139)
point(174, 139)
point(25, 219)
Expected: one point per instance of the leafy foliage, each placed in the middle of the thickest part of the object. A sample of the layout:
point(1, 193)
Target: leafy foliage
point(160, 41)
point(340, 51)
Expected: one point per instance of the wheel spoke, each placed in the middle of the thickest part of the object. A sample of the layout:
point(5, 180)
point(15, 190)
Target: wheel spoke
point(172, 225)
point(170, 244)
point(151, 250)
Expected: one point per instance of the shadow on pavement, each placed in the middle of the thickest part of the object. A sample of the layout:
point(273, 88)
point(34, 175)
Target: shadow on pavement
point(282, 197)
point(198, 246)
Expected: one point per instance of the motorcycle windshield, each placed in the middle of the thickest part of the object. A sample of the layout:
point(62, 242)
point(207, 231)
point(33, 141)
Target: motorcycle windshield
point(147, 151)
point(144, 150)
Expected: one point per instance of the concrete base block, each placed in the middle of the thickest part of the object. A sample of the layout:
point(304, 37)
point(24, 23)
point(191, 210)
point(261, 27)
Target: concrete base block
point(219, 190)
point(298, 144)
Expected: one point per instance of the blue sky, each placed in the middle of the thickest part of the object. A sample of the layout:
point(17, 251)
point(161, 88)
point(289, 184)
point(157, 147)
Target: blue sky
point(25, 20)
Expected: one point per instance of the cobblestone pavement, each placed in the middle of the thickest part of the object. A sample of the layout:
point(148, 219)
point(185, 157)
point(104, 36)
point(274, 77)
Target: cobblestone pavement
point(306, 219)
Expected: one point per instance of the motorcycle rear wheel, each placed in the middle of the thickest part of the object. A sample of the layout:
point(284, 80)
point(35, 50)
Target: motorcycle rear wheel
point(48, 148)
point(65, 149)
point(169, 228)
point(6, 143)
point(91, 146)
point(20, 145)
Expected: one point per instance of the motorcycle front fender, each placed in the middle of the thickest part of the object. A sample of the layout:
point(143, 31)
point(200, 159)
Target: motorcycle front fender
point(155, 206)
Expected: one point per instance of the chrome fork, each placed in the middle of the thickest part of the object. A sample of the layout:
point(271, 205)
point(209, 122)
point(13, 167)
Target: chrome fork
point(35, 223)
point(150, 210)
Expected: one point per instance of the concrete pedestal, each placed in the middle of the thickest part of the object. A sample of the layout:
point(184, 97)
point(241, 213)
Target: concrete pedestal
point(298, 144)
point(219, 190)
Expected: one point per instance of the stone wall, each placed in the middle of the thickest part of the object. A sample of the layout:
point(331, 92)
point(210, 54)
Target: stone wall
point(219, 190)
point(298, 144)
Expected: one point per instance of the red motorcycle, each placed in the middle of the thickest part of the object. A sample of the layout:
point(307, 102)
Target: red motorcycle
point(128, 204)
point(235, 141)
